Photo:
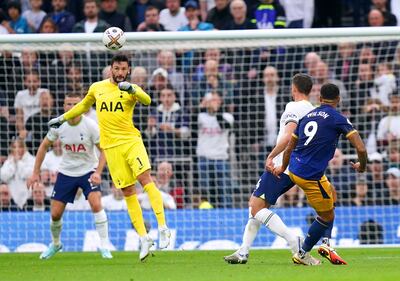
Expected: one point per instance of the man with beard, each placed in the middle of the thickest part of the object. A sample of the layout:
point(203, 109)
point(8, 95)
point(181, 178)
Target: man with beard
point(123, 146)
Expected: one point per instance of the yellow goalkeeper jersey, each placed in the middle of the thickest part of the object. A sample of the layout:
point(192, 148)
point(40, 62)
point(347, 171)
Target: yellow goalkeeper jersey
point(114, 110)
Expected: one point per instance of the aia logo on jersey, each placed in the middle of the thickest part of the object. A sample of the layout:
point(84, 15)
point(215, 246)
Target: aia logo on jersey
point(110, 107)
point(75, 148)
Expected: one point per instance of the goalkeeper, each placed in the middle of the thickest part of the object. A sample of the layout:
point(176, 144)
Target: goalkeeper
point(122, 143)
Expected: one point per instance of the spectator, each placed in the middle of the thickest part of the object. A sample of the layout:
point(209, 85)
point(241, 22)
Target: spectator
point(395, 9)
point(34, 15)
point(167, 60)
point(63, 19)
point(18, 23)
point(30, 61)
point(36, 125)
point(114, 201)
point(346, 63)
point(137, 10)
point(323, 76)
point(389, 18)
point(268, 14)
point(213, 81)
point(239, 21)
point(27, 102)
point(7, 129)
point(367, 55)
point(4, 25)
point(192, 14)
point(106, 72)
point(139, 77)
point(392, 182)
point(372, 114)
point(16, 170)
point(151, 20)
point(342, 177)
point(375, 18)
point(167, 127)
point(110, 14)
point(91, 23)
point(159, 80)
point(48, 26)
point(389, 126)
point(376, 188)
point(7, 204)
point(212, 151)
point(299, 13)
point(362, 89)
point(384, 83)
point(38, 202)
point(224, 68)
point(360, 197)
point(205, 7)
point(166, 183)
point(394, 154)
point(220, 15)
point(173, 17)
point(311, 61)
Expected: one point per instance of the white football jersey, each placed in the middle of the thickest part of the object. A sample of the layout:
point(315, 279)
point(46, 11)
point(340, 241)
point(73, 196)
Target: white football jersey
point(294, 111)
point(78, 145)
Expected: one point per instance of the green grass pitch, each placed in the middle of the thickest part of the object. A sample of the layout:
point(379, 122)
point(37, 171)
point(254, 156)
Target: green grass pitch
point(364, 264)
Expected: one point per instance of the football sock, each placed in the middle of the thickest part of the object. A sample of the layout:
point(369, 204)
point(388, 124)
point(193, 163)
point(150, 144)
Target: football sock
point(250, 233)
point(315, 232)
point(275, 224)
point(156, 203)
point(135, 214)
point(55, 228)
point(100, 219)
point(327, 235)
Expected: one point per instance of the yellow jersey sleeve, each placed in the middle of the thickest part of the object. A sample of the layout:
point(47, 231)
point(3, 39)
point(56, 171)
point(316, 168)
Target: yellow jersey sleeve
point(82, 107)
point(141, 95)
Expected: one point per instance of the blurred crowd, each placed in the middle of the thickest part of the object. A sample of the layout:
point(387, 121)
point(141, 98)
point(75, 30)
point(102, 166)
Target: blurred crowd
point(215, 112)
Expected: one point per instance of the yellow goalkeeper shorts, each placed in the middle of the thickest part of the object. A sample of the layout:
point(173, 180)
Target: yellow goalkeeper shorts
point(126, 162)
point(319, 193)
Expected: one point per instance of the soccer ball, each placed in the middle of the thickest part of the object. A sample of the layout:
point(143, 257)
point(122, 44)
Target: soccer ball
point(114, 38)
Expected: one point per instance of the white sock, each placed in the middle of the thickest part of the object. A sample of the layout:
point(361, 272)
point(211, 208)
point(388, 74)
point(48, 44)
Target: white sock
point(276, 225)
point(250, 233)
point(55, 228)
point(100, 219)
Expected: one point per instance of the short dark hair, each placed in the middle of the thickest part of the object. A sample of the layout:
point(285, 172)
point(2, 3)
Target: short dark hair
point(119, 58)
point(73, 95)
point(15, 5)
point(330, 91)
point(151, 7)
point(168, 87)
point(303, 83)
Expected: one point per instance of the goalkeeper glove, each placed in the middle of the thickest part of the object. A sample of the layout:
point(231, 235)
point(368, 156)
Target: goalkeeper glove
point(56, 122)
point(127, 87)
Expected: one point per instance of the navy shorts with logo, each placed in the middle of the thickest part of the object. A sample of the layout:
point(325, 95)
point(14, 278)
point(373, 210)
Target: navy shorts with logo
point(270, 187)
point(66, 187)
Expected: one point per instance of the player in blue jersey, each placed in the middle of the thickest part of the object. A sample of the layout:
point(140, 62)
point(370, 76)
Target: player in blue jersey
point(312, 146)
point(269, 188)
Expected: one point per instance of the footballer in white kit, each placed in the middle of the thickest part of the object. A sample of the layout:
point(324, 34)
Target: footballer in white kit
point(269, 187)
point(79, 168)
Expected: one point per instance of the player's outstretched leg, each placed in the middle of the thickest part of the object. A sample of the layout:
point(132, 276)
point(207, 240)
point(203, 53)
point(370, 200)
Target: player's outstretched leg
point(57, 210)
point(136, 216)
point(250, 232)
point(157, 205)
point(315, 232)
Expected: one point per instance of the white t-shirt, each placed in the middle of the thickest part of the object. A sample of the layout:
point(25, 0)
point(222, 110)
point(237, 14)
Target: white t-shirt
point(294, 111)
point(78, 145)
point(270, 119)
point(173, 23)
point(30, 104)
point(3, 30)
point(90, 26)
point(299, 10)
point(389, 124)
point(385, 85)
point(109, 203)
point(213, 141)
point(34, 18)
